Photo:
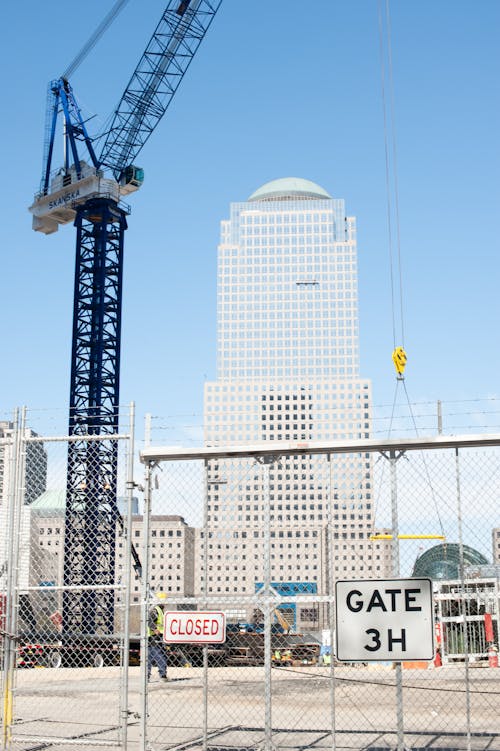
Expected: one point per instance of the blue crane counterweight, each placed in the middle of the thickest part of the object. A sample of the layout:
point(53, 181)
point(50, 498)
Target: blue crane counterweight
point(83, 191)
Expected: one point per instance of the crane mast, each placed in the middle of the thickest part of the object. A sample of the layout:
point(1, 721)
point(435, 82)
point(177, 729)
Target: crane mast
point(81, 190)
point(91, 482)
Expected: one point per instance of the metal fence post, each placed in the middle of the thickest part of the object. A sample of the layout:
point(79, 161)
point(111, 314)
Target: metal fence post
point(268, 727)
point(124, 702)
point(331, 608)
point(393, 457)
point(10, 636)
point(463, 600)
point(19, 493)
point(203, 550)
point(145, 590)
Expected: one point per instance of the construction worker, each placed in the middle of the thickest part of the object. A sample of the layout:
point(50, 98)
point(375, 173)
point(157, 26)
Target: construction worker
point(156, 646)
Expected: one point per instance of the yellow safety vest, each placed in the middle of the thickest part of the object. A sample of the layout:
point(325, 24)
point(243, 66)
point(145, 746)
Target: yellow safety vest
point(159, 620)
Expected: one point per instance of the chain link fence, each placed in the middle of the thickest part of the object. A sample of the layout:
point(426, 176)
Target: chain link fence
point(65, 589)
point(273, 532)
point(258, 537)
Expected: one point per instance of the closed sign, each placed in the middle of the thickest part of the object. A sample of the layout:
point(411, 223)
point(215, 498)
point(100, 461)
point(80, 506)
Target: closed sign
point(193, 627)
point(384, 619)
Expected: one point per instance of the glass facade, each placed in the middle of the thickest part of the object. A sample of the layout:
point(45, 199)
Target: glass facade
point(443, 561)
point(288, 370)
point(287, 291)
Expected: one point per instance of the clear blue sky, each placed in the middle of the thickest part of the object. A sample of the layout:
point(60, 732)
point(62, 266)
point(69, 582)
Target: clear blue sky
point(282, 88)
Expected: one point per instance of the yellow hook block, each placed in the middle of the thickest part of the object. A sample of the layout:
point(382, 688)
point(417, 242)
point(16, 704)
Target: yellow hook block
point(399, 359)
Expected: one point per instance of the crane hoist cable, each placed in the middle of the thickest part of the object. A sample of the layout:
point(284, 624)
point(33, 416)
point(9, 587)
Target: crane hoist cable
point(92, 41)
point(74, 65)
point(399, 359)
point(399, 356)
point(391, 171)
point(426, 468)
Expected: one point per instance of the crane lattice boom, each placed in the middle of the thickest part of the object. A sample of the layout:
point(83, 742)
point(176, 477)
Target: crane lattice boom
point(155, 81)
point(145, 100)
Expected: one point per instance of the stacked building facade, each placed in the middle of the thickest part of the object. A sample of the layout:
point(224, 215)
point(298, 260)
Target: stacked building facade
point(288, 370)
point(171, 549)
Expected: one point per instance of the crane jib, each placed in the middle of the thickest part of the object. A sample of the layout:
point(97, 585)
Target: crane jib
point(148, 94)
point(155, 80)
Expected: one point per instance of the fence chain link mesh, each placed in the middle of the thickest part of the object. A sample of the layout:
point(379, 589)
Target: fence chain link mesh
point(266, 551)
point(261, 539)
point(64, 594)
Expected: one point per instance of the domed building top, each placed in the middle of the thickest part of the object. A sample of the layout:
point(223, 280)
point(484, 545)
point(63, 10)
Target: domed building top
point(289, 188)
point(443, 561)
point(50, 499)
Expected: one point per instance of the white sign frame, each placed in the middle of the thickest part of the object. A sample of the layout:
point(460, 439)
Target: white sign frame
point(384, 620)
point(194, 627)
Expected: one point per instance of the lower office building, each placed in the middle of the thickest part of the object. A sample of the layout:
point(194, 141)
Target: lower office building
point(171, 549)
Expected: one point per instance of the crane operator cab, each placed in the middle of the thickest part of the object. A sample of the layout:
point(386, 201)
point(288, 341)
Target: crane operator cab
point(131, 179)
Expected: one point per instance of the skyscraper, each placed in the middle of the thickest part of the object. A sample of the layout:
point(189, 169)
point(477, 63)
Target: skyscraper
point(33, 484)
point(288, 369)
point(35, 481)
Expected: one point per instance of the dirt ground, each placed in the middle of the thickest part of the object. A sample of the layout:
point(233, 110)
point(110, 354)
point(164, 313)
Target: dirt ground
point(303, 708)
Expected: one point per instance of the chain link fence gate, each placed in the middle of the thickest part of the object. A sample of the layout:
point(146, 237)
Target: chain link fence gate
point(65, 640)
point(261, 535)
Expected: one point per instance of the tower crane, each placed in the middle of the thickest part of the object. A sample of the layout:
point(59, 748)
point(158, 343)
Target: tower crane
point(87, 189)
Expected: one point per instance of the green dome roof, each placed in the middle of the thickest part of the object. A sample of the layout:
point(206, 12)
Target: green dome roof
point(443, 561)
point(289, 188)
point(50, 499)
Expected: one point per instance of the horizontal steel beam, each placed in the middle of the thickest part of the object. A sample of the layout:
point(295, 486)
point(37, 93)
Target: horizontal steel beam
point(279, 448)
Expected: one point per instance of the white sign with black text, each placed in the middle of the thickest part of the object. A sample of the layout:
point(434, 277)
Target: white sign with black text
point(384, 619)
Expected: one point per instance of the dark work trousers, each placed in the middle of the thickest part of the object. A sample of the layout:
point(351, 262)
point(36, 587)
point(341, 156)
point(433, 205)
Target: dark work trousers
point(157, 656)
